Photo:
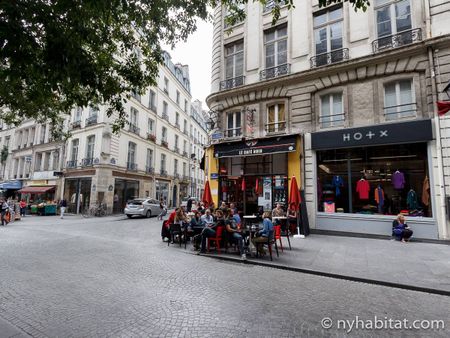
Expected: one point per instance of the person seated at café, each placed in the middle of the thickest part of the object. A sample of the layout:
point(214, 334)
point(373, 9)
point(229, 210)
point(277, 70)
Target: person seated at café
point(180, 217)
point(234, 233)
point(263, 234)
point(400, 229)
point(278, 211)
point(165, 233)
point(209, 230)
point(233, 206)
point(223, 207)
point(235, 216)
point(292, 218)
point(207, 218)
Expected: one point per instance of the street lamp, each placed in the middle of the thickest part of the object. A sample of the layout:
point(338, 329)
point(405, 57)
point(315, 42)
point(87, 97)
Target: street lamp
point(213, 120)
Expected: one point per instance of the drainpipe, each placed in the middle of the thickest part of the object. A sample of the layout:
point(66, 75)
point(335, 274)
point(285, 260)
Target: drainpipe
point(440, 162)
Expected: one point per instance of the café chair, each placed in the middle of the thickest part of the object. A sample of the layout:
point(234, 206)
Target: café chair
point(270, 241)
point(175, 230)
point(217, 239)
point(277, 235)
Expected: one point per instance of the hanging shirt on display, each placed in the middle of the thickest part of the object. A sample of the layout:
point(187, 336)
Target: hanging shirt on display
point(426, 191)
point(411, 200)
point(398, 180)
point(363, 188)
point(338, 183)
point(379, 197)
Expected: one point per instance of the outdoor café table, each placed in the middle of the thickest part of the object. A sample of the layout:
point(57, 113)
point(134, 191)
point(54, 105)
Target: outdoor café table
point(283, 219)
point(250, 230)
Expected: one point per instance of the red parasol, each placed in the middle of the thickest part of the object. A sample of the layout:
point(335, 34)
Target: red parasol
point(294, 194)
point(243, 187)
point(443, 107)
point(257, 186)
point(207, 198)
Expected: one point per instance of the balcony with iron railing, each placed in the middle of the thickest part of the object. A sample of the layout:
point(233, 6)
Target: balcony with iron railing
point(270, 4)
point(176, 176)
point(152, 107)
point(334, 56)
point(151, 137)
point(91, 120)
point(165, 116)
point(273, 72)
point(131, 166)
point(87, 162)
point(163, 173)
point(185, 131)
point(75, 125)
point(232, 83)
point(401, 111)
point(233, 132)
point(185, 154)
point(71, 164)
point(164, 144)
point(176, 150)
point(275, 127)
point(400, 39)
point(133, 129)
point(149, 170)
point(177, 125)
point(335, 120)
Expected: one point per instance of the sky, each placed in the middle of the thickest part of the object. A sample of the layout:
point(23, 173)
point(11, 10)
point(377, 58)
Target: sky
point(196, 52)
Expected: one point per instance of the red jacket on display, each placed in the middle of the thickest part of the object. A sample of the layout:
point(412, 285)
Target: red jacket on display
point(363, 188)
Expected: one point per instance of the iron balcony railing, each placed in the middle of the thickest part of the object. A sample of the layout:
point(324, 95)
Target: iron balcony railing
point(132, 166)
point(163, 173)
point(329, 58)
point(133, 128)
point(334, 120)
point(176, 149)
point(165, 144)
point(185, 154)
point(75, 124)
point(273, 72)
point(233, 132)
point(271, 4)
point(71, 164)
point(177, 176)
point(150, 170)
point(152, 107)
point(165, 116)
point(87, 162)
point(151, 137)
point(400, 111)
point(397, 40)
point(91, 120)
point(232, 83)
point(276, 127)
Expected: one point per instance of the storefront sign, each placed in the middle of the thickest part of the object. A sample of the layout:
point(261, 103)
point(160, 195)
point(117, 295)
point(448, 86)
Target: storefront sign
point(214, 176)
point(256, 147)
point(393, 133)
point(217, 136)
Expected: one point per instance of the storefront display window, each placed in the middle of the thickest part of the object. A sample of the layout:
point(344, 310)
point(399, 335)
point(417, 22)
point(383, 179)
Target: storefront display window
point(124, 190)
point(383, 180)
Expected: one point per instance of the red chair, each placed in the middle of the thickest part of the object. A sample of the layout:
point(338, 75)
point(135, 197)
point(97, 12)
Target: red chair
point(216, 239)
point(277, 235)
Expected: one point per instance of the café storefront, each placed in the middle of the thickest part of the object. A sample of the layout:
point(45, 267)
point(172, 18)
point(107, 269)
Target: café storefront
point(254, 174)
point(363, 177)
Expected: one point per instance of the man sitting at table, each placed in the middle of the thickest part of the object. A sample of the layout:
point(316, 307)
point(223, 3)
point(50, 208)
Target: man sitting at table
point(209, 230)
point(235, 216)
point(261, 235)
point(234, 232)
point(207, 218)
point(278, 211)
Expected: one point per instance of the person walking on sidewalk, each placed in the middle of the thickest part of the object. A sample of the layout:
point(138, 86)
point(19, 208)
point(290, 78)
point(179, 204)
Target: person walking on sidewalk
point(63, 206)
point(22, 206)
point(4, 211)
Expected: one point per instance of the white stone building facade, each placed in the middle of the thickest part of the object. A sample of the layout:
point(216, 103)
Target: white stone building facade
point(358, 91)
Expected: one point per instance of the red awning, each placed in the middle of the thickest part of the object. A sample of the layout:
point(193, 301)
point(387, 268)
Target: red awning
point(37, 190)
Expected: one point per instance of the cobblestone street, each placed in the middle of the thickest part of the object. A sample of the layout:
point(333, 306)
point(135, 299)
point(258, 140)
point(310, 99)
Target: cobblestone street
point(113, 277)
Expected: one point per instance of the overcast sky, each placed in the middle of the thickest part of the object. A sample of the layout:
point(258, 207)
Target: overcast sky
point(196, 53)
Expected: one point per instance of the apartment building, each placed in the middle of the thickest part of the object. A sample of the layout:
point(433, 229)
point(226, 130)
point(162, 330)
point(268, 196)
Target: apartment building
point(199, 139)
point(343, 100)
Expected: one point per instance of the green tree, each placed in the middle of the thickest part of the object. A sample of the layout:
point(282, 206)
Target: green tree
point(58, 54)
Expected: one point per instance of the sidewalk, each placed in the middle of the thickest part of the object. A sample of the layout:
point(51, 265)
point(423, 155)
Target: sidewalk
point(8, 330)
point(415, 265)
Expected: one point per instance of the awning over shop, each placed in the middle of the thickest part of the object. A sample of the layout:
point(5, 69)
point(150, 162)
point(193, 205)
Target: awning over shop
point(273, 145)
point(11, 185)
point(37, 190)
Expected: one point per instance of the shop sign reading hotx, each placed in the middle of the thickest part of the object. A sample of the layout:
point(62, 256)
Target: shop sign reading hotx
point(393, 133)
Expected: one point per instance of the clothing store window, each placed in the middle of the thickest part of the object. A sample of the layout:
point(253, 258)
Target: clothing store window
point(382, 180)
point(399, 100)
point(276, 118)
point(331, 110)
point(233, 124)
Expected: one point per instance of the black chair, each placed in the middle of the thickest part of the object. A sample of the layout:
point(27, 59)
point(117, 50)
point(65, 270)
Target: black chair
point(270, 241)
point(175, 230)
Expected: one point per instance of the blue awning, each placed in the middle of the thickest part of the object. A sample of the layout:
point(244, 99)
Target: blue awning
point(11, 185)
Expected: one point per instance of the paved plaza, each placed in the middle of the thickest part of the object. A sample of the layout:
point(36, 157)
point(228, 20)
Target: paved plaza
point(113, 277)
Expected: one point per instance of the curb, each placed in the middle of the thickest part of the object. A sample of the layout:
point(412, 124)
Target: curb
point(331, 275)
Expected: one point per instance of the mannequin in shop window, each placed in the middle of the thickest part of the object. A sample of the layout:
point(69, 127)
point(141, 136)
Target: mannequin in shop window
point(338, 183)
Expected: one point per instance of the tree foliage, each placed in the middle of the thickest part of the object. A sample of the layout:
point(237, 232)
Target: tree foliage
point(58, 54)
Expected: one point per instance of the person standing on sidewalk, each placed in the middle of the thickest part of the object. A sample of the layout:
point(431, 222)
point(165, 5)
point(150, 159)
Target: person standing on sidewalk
point(63, 206)
point(22, 206)
point(4, 211)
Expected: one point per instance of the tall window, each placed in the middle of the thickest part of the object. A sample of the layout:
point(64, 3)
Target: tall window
point(185, 128)
point(233, 124)
point(149, 161)
point(275, 45)
point(47, 158)
point(164, 134)
point(77, 116)
point(131, 158)
point(331, 111)
point(184, 169)
point(184, 146)
point(234, 61)
point(74, 152)
point(276, 119)
point(178, 97)
point(328, 36)
point(151, 126)
point(163, 162)
point(90, 144)
point(177, 119)
point(43, 130)
point(38, 163)
point(176, 142)
point(164, 112)
point(166, 85)
point(134, 116)
point(392, 16)
point(55, 160)
point(399, 100)
point(185, 106)
point(152, 100)
point(175, 167)
point(93, 111)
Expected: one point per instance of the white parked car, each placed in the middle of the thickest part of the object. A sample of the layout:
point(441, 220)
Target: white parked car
point(146, 207)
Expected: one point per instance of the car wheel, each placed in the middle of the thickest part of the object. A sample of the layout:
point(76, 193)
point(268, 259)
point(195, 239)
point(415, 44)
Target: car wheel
point(129, 216)
point(148, 214)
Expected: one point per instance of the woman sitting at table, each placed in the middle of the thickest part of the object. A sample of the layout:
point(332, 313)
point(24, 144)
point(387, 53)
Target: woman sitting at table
point(292, 217)
point(180, 217)
point(209, 230)
point(234, 233)
point(263, 234)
